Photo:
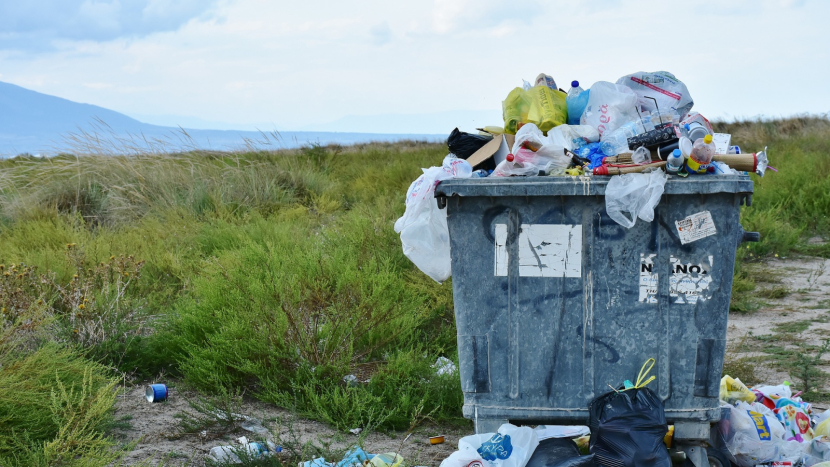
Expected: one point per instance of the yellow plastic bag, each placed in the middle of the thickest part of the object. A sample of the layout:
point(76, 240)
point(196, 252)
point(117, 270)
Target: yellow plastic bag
point(732, 389)
point(823, 428)
point(515, 109)
point(548, 107)
point(388, 459)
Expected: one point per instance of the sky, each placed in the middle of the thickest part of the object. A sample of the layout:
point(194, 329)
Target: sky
point(405, 66)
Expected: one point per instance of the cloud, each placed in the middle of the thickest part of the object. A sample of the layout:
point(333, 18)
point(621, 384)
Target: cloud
point(37, 25)
point(381, 33)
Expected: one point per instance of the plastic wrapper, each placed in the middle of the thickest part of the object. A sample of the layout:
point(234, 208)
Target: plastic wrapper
point(796, 423)
point(733, 390)
point(532, 152)
point(634, 193)
point(627, 429)
point(423, 226)
point(609, 106)
point(573, 137)
point(660, 88)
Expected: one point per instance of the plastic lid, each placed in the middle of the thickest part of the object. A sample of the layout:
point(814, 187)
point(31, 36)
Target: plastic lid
point(707, 139)
point(677, 153)
point(574, 84)
point(685, 146)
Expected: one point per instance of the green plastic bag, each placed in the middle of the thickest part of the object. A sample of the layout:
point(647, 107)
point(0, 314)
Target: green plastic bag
point(540, 105)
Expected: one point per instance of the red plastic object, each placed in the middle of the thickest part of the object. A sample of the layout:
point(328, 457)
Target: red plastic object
point(510, 158)
point(601, 170)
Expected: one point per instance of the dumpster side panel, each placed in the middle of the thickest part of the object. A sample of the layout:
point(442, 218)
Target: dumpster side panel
point(555, 303)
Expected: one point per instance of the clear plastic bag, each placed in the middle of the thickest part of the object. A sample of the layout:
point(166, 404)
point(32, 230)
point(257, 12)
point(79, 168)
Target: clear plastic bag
point(636, 194)
point(755, 438)
point(668, 91)
point(609, 106)
point(533, 152)
point(423, 226)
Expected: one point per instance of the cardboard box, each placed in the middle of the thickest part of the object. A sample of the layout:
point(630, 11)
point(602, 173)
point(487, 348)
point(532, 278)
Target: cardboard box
point(497, 149)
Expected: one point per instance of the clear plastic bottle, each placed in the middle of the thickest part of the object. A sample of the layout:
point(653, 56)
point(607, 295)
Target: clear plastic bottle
point(703, 150)
point(576, 101)
point(675, 161)
point(616, 141)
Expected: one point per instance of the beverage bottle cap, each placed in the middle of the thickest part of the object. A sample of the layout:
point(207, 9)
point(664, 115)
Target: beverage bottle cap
point(707, 139)
point(677, 153)
point(686, 126)
point(574, 84)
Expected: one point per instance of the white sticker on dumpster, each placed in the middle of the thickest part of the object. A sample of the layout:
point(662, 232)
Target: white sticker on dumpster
point(545, 250)
point(695, 227)
point(689, 282)
point(550, 250)
point(648, 279)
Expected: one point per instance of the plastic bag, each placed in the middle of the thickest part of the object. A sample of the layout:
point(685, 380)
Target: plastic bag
point(559, 452)
point(732, 390)
point(627, 429)
point(512, 446)
point(609, 106)
point(464, 144)
point(532, 153)
point(754, 438)
point(515, 109)
point(668, 91)
point(635, 193)
point(423, 227)
point(573, 137)
point(548, 107)
point(796, 423)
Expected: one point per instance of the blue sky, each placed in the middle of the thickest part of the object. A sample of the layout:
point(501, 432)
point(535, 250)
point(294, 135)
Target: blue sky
point(302, 65)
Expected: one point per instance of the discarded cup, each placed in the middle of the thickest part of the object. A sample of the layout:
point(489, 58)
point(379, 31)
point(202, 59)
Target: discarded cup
point(436, 439)
point(156, 393)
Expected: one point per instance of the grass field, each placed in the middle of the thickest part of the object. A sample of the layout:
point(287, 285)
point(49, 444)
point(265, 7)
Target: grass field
point(277, 273)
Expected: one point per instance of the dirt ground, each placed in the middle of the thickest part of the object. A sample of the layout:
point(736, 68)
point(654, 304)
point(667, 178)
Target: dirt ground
point(805, 304)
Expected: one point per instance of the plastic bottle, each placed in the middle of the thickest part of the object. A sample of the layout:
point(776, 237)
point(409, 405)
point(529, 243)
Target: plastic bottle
point(702, 152)
point(616, 141)
point(675, 161)
point(576, 101)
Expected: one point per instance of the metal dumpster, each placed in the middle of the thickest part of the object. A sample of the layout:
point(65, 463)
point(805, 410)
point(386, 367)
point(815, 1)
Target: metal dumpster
point(555, 303)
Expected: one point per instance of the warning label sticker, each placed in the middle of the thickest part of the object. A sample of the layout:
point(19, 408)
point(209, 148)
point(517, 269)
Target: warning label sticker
point(695, 227)
point(689, 282)
point(648, 279)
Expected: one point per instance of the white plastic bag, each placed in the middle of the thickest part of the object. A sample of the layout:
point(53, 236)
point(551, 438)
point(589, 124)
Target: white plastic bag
point(512, 446)
point(636, 194)
point(423, 227)
point(668, 91)
point(573, 136)
point(754, 438)
point(609, 106)
point(532, 152)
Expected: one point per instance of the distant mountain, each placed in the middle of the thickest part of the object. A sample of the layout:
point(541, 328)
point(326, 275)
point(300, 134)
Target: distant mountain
point(42, 124)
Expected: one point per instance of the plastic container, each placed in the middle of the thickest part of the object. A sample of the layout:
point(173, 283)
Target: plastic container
point(576, 100)
point(675, 161)
point(616, 141)
point(694, 131)
point(554, 301)
point(703, 150)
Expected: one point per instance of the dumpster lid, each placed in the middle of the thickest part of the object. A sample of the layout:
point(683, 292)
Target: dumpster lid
point(584, 186)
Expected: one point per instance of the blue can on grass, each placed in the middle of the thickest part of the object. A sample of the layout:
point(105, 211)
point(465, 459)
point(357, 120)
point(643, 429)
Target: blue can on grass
point(156, 393)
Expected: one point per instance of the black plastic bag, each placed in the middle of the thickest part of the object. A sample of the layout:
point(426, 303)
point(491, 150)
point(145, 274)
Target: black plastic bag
point(559, 452)
point(464, 144)
point(627, 429)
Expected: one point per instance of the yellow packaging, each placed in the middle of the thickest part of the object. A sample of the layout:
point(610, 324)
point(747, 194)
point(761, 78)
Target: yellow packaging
point(732, 389)
point(669, 436)
point(548, 107)
point(822, 429)
point(515, 109)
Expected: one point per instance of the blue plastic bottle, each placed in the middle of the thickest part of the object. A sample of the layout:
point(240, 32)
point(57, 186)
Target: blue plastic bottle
point(576, 101)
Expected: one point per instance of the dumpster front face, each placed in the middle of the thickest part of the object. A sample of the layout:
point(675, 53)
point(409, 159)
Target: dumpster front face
point(556, 304)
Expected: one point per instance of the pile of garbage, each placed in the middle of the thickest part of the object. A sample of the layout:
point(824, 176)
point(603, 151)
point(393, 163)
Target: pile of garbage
point(770, 424)
point(640, 131)
point(642, 122)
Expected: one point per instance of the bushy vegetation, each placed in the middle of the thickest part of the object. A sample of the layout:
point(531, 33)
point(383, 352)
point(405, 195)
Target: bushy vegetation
point(277, 273)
